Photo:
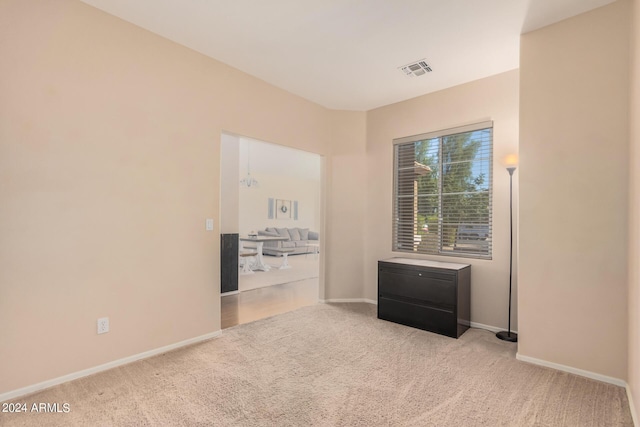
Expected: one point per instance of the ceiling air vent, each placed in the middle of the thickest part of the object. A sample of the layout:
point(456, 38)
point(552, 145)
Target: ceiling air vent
point(416, 69)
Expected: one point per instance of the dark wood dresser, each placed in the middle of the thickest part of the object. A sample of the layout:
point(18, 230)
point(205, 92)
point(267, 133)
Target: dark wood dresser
point(430, 295)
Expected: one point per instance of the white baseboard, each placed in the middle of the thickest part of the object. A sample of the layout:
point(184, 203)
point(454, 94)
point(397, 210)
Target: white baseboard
point(571, 370)
point(632, 408)
point(90, 371)
point(368, 301)
point(375, 302)
point(487, 327)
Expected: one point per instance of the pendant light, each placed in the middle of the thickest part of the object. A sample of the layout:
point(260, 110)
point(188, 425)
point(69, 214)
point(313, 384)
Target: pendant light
point(248, 181)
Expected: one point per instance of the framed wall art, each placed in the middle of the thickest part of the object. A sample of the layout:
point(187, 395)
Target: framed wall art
point(283, 209)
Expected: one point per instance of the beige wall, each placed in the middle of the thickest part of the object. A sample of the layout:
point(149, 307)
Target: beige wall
point(634, 212)
point(494, 98)
point(345, 211)
point(109, 158)
point(573, 192)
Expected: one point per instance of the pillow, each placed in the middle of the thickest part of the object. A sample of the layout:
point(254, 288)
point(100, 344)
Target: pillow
point(271, 229)
point(304, 233)
point(268, 233)
point(313, 235)
point(283, 232)
point(295, 235)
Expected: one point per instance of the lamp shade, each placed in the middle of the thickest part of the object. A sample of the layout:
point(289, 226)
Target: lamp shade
point(510, 160)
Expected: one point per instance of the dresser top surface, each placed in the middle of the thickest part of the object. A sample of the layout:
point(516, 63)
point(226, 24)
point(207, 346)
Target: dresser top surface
point(427, 263)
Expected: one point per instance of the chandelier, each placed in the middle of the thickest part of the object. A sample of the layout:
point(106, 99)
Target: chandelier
point(248, 181)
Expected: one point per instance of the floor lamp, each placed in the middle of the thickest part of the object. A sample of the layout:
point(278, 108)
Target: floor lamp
point(508, 335)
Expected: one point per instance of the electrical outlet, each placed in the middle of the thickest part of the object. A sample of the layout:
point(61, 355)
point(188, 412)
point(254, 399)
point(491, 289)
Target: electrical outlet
point(103, 325)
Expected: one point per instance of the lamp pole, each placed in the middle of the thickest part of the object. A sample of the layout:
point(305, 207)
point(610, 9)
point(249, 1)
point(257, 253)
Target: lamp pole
point(508, 335)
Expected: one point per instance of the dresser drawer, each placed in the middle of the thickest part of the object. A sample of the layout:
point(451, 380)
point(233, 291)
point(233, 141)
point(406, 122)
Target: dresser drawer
point(436, 288)
point(431, 319)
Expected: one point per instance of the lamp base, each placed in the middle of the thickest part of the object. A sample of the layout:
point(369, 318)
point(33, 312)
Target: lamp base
point(507, 336)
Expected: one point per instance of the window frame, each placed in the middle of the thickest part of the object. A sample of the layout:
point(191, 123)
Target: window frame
point(439, 251)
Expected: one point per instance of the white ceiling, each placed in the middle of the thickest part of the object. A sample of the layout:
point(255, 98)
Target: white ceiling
point(345, 54)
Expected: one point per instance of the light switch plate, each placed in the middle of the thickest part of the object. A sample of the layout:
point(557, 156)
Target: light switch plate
point(209, 226)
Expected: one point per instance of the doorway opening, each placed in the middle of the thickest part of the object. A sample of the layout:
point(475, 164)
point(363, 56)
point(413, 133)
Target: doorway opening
point(271, 207)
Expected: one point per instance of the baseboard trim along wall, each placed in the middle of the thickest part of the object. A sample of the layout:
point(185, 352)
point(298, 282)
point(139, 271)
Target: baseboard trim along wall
point(226, 294)
point(368, 301)
point(374, 302)
point(632, 408)
point(488, 327)
point(90, 371)
point(571, 370)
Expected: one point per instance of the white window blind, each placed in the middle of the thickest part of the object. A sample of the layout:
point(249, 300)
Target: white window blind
point(443, 192)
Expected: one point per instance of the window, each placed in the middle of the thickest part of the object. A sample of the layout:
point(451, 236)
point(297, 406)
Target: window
point(442, 192)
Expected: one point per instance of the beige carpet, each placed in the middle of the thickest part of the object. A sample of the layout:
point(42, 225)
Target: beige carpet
point(302, 267)
point(334, 365)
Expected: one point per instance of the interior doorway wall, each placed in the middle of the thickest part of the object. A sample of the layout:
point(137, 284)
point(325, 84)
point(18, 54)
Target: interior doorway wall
point(282, 174)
